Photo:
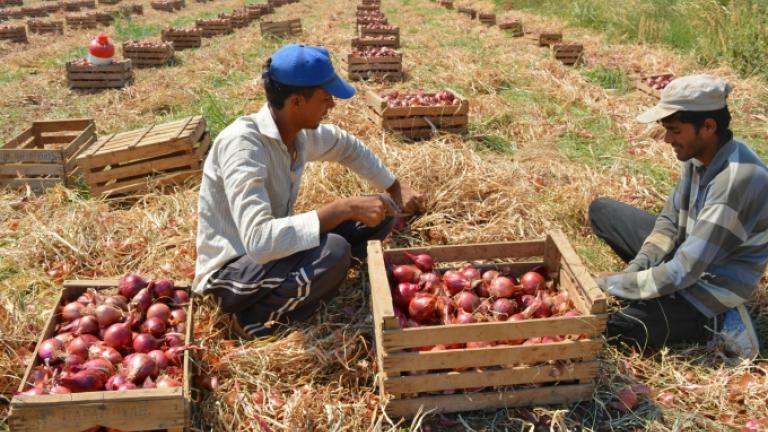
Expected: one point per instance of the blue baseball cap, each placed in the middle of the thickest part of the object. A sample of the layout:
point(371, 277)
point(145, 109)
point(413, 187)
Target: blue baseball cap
point(308, 66)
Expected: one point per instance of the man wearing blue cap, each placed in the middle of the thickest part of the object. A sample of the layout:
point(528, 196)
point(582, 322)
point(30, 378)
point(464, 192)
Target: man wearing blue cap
point(262, 262)
point(692, 269)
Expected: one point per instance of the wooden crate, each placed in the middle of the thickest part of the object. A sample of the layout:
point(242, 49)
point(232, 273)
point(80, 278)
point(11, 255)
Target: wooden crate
point(365, 20)
point(116, 75)
point(568, 53)
point(514, 27)
point(52, 7)
point(183, 38)
point(135, 9)
point(262, 9)
point(5, 3)
point(16, 34)
point(641, 85)
point(41, 27)
point(488, 19)
point(133, 410)
point(281, 29)
point(376, 41)
point(407, 376)
point(448, 4)
point(103, 18)
point(162, 5)
point(81, 21)
point(472, 13)
point(35, 12)
point(148, 56)
point(109, 2)
point(44, 155)
point(419, 122)
point(549, 38)
point(214, 27)
point(379, 68)
point(123, 163)
point(394, 31)
point(370, 7)
point(237, 19)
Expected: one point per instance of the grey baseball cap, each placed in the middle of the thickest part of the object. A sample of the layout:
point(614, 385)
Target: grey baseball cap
point(689, 93)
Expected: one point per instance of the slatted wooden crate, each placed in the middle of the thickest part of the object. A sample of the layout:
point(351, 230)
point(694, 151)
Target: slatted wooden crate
point(135, 9)
point(183, 38)
point(568, 53)
point(35, 12)
point(77, 5)
point(81, 21)
point(16, 34)
point(419, 122)
point(238, 20)
point(549, 38)
point(448, 4)
point(642, 85)
point(514, 27)
point(384, 68)
point(4, 3)
point(392, 31)
point(103, 18)
point(162, 5)
point(162, 154)
point(148, 53)
point(44, 155)
point(558, 373)
point(214, 27)
point(470, 12)
point(4, 15)
point(365, 20)
point(51, 7)
point(281, 29)
point(87, 76)
point(133, 410)
point(488, 19)
point(263, 9)
point(42, 27)
point(363, 42)
point(368, 8)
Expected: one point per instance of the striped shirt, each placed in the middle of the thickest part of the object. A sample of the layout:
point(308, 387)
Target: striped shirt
point(710, 243)
point(250, 186)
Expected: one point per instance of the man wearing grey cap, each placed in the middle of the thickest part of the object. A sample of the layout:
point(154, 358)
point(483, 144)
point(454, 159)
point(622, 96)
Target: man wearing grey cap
point(692, 268)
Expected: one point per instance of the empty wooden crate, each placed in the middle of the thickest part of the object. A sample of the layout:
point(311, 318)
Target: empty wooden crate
point(162, 154)
point(45, 154)
point(508, 374)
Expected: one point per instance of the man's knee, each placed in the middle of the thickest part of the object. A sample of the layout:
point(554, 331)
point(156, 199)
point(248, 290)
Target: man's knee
point(598, 211)
point(337, 252)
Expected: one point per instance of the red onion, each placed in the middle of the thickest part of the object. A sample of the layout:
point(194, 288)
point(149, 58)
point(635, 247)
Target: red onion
point(464, 318)
point(626, 399)
point(161, 361)
point(149, 384)
point(422, 307)
point(561, 303)
point(130, 285)
point(80, 345)
point(117, 301)
point(455, 282)
point(475, 345)
point(445, 308)
point(145, 343)
point(118, 335)
point(100, 364)
point(532, 282)
point(49, 348)
point(127, 386)
point(163, 288)
point(467, 301)
point(527, 300)
point(83, 381)
point(154, 326)
point(180, 297)
point(142, 300)
point(88, 325)
point(502, 287)
point(139, 366)
point(34, 391)
point(39, 374)
point(174, 339)
point(167, 382)
point(405, 292)
point(59, 389)
point(73, 361)
point(175, 355)
point(106, 315)
point(71, 311)
point(503, 308)
point(115, 381)
point(65, 337)
point(551, 339)
point(178, 316)
point(532, 341)
point(572, 313)
point(430, 281)
point(401, 318)
point(424, 262)
point(159, 310)
point(406, 273)
point(470, 273)
point(102, 350)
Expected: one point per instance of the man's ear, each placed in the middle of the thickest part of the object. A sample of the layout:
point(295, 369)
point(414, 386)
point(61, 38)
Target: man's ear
point(709, 128)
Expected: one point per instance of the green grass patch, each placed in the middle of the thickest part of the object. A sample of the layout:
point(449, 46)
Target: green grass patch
point(62, 59)
point(232, 78)
point(590, 139)
point(494, 144)
point(608, 78)
point(127, 29)
point(219, 111)
point(11, 76)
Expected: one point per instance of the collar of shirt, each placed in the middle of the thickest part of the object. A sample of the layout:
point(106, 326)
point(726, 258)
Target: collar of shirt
point(267, 127)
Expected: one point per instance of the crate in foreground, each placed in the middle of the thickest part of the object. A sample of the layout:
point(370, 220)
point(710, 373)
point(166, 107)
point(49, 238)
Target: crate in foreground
point(388, 67)
point(148, 53)
point(418, 122)
point(130, 162)
point(183, 38)
point(281, 29)
point(83, 75)
point(44, 155)
point(132, 410)
point(568, 53)
point(453, 380)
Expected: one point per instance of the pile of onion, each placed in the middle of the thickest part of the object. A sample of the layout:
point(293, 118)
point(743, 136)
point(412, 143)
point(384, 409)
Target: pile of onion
point(425, 296)
point(127, 338)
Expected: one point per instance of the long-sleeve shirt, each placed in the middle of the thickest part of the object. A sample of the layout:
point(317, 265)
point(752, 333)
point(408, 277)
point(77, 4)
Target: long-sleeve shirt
point(250, 186)
point(710, 243)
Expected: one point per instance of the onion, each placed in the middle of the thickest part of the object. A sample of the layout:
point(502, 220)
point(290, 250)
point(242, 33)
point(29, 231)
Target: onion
point(130, 285)
point(167, 382)
point(551, 339)
point(88, 325)
point(159, 310)
point(467, 301)
point(118, 335)
point(475, 345)
point(405, 292)
point(100, 364)
point(49, 348)
point(180, 297)
point(533, 341)
point(422, 307)
point(527, 300)
point(34, 391)
point(178, 316)
point(175, 355)
point(71, 311)
point(424, 262)
point(406, 273)
point(516, 317)
point(502, 287)
point(464, 318)
point(80, 345)
point(560, 303)
point(161, 361)
point(430, 281)
point(174, 339)
point(115, 381)
point(163, 288)
point(145, 343)
point(503, 308)
point(117, 301)
point(39, 374)
point(149, 384)
point(445, 308)
point(455, 282)
point(142, 300)
point(65, 337)
point(59, 389)
point(154, 326)
point(138, 366)
point(106, 315)
point(73, 361)
point(532, 282)
point(626, 399)
point(83, 381)
point(470, 273)
point(127, 386)
point(101, 350)
point(572, 313)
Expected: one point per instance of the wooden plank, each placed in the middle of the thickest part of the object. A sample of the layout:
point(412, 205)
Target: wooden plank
point(35, 155)
point(493, 356)
point(591, 325)
point(551, 395)
point(62, 125)
point(594, 296)
point(118, 156)
point(86, 137)
point(142, 168)
point(471, 252)
point(492, 377)
point(18, 139)
point(414, 122)
point(56, 139)
point(32, 169)
point(145, 183)
point(140, 136)
point(381, 299)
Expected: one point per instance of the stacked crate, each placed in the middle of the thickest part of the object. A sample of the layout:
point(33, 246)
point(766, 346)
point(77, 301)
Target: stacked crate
point(183, 38)
point(85, 76)
point(418, 122)
point(214, 27)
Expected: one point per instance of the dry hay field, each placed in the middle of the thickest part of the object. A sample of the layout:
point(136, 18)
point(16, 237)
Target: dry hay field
point(544, 140)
